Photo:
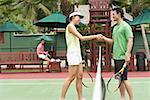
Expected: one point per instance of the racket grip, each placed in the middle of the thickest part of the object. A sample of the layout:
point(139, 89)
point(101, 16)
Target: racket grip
point(122, 69)
point(124, 65)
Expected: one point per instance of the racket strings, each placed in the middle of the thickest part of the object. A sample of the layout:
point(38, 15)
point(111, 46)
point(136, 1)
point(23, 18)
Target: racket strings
point(118, 76)
point(103, 89)
point(114, 83)
point(86, 69)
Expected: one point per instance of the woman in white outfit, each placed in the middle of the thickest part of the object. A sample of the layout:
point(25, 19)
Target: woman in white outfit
point(74, 58)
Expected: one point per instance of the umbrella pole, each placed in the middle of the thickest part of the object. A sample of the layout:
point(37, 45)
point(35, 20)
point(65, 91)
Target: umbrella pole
point(10, 42)
point(145, 43)
point(56, 40)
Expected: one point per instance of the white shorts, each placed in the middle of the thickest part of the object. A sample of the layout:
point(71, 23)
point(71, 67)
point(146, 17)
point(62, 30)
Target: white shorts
point(42, 56)
point(74, 58)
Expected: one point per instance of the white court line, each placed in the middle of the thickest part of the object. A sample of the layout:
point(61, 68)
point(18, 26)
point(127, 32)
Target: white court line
point(65, 78)
point(34, 83)
point(34, 79)
point(47, 83)
point(62, 79)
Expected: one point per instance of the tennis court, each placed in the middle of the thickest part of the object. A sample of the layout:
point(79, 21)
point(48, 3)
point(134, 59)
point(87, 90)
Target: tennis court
point(26, 87)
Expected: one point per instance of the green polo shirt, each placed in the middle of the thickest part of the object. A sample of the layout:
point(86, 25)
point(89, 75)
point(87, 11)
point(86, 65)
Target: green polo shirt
point(121, 33)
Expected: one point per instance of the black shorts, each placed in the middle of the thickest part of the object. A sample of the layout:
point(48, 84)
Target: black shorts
point(118, 66)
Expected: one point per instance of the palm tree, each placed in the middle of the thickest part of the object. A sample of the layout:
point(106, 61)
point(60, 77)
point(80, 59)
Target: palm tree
point(6, 12)
point(30, 8)
point(9, 13)
point(121, 3)
point(138, 6)
point(66, 7)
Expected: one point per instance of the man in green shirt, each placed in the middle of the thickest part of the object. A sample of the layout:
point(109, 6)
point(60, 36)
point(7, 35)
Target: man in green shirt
point(122, 40)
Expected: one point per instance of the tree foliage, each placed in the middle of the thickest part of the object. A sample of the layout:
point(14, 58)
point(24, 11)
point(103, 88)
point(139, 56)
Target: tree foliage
point(138, 5)
point(133, 6)
point(25, 12)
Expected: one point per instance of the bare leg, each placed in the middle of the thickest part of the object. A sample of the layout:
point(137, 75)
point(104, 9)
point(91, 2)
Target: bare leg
point(122, 91)
point(47, 59)
point(48, 64)
point(129, 89)
point(72, 74)
point(79, 82)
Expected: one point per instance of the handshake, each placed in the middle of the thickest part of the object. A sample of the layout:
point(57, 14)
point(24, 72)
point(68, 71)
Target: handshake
point(100, 37)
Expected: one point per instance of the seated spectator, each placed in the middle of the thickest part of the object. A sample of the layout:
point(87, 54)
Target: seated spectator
point(42, 54)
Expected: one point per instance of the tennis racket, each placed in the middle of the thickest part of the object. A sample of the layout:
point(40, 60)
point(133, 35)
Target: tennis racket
point(115, 81)
point(103, 88)
point(87, 71)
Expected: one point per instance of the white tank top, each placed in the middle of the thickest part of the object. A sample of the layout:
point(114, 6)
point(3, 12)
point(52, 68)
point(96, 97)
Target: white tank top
point(73, 43)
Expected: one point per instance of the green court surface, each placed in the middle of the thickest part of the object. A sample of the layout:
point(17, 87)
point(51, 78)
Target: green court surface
point(50, 89)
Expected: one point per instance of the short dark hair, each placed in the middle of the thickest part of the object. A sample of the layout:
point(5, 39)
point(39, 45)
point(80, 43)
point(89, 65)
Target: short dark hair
point(119, 10)
point(42, 39)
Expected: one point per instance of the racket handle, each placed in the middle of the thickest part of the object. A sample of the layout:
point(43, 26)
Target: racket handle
point(122, 69)
point(124, 65)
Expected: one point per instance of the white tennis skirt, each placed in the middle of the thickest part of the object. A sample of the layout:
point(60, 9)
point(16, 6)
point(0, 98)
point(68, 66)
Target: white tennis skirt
point(74, 58)
point(42, 56)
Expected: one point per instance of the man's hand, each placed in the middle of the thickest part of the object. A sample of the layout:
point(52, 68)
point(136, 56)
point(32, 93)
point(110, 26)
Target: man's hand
point(100, 37)
point(127, 57)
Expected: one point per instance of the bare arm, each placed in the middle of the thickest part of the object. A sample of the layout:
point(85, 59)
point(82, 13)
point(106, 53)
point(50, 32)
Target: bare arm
point(129, 48)
point(73, 30)
point(108, 40)
point(105, 39)
point(42, 52)
point(129, 45)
